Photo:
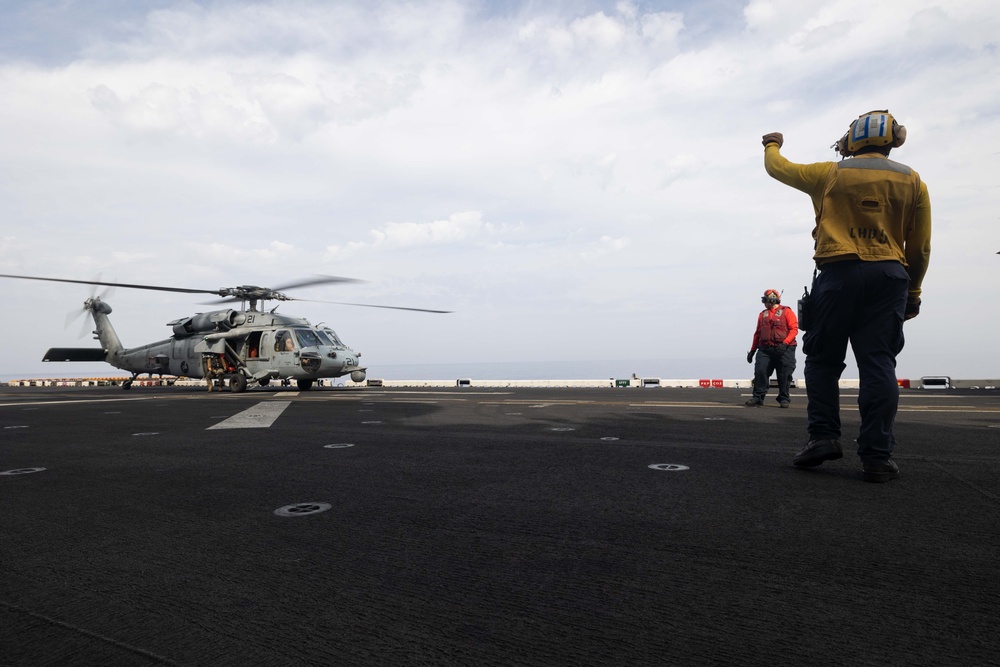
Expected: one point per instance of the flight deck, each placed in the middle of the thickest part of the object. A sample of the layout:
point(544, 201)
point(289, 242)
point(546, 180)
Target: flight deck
point(489, 526)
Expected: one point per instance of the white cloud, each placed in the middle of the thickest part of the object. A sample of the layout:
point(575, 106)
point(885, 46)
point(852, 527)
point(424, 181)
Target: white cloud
point(662, 27)
point(604, 247)
point(459, 228)
point(547, 164)
point(234, 257)
point(465, 228)
point(597, 30)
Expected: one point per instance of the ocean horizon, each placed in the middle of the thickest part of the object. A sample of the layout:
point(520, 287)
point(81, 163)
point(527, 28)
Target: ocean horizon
point(516, 370)
point(556, 370)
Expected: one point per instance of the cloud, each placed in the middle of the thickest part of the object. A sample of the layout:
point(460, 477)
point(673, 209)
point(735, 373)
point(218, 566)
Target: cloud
point(217, 253)
point(239, 106)
point(604, 247)
point(460, 229)
point(120, 257)
point(542, 161)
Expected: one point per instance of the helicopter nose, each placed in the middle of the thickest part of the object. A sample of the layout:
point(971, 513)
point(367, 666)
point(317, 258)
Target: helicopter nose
point(344, 359)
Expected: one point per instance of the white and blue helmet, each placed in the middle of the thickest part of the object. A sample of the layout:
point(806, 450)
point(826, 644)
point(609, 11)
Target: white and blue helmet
point(875, 128)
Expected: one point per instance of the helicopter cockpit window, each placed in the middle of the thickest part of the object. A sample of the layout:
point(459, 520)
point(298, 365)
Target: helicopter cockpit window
point(330, 337)
point(283, 342)
point(307, 338)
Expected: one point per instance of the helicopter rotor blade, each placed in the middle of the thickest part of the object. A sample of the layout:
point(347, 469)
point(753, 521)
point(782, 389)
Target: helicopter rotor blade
point(183, 290)
point(85, 327)
point(316, 280)
point(372, 305)
point(75, 316)
point(239, 294)
point(336, 303)
point(106, 294)
point(264, 293)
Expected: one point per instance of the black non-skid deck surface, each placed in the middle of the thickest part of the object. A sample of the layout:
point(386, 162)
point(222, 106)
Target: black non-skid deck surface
point(489, 527)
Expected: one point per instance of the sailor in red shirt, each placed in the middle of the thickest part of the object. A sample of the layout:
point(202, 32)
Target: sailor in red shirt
point(774, 342)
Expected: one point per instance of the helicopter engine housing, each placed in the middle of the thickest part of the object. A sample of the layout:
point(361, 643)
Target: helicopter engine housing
point(220, 320)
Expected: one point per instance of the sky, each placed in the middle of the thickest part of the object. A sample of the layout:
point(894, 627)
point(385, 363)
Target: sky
point(577, 181)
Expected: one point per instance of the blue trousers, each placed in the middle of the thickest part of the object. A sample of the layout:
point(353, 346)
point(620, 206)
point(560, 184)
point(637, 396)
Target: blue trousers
point(767, 361)
point(861, 303)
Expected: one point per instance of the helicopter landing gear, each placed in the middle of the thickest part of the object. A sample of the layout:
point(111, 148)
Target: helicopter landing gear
point(237, 383)
point(263, 381)
point(127, 384)
point(304, 385)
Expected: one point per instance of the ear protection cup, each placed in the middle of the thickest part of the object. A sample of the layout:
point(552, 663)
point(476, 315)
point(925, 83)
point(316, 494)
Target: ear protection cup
point(898, 134)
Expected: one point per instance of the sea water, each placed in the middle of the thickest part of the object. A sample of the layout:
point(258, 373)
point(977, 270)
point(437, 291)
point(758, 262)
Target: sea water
point(592, 369)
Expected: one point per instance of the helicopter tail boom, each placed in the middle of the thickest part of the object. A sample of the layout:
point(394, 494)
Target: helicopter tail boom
point(104, 331)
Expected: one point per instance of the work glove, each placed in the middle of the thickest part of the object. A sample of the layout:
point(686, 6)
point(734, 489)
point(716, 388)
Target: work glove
point(912, 308)
point(750, 357)
point(773, 138)
point(780, 348)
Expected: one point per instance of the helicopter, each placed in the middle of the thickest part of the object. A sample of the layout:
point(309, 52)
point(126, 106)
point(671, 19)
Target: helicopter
point(242, 347)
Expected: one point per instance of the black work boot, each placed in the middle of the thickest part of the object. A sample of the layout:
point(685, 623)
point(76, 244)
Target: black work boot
point(880, 472)
point(753, 403)
point(817, 451)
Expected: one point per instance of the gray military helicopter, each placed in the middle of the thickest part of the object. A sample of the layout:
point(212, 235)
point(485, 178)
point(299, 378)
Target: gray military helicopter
point(241, 347)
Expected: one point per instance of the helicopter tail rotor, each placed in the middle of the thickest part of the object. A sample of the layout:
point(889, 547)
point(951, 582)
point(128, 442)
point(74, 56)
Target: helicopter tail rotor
point(90, 305)
point(74, 316)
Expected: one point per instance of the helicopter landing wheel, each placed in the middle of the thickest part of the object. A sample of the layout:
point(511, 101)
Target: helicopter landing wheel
point(237, 383)
point(304, 385)
point(263, 381)
point(127, 384)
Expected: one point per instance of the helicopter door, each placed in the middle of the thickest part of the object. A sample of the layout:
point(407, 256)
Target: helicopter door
point(255, 348)
point(285, 352)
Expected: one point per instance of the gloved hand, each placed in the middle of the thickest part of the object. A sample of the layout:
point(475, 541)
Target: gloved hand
point(912, 308)
point(773, 138)
point(780, 348)
point(750, 357)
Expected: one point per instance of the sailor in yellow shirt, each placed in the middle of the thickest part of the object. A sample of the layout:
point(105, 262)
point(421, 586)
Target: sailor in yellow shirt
point(872, 246)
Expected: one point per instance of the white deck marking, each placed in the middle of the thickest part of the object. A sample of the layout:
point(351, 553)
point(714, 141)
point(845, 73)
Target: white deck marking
point(261, 415)
point(99, 400)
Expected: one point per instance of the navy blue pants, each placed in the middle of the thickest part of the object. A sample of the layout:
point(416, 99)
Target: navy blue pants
point(863, 303)
point(769, 360)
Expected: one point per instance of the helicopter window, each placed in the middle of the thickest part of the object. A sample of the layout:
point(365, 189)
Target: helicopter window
point(307, 338)
point(330, 337)
point(283, 342)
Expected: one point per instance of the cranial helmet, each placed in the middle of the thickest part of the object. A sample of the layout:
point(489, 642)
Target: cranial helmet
point(771, 296)
point(875, 128)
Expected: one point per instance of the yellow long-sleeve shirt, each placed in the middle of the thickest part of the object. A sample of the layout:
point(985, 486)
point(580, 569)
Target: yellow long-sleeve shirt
point(867, 207)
